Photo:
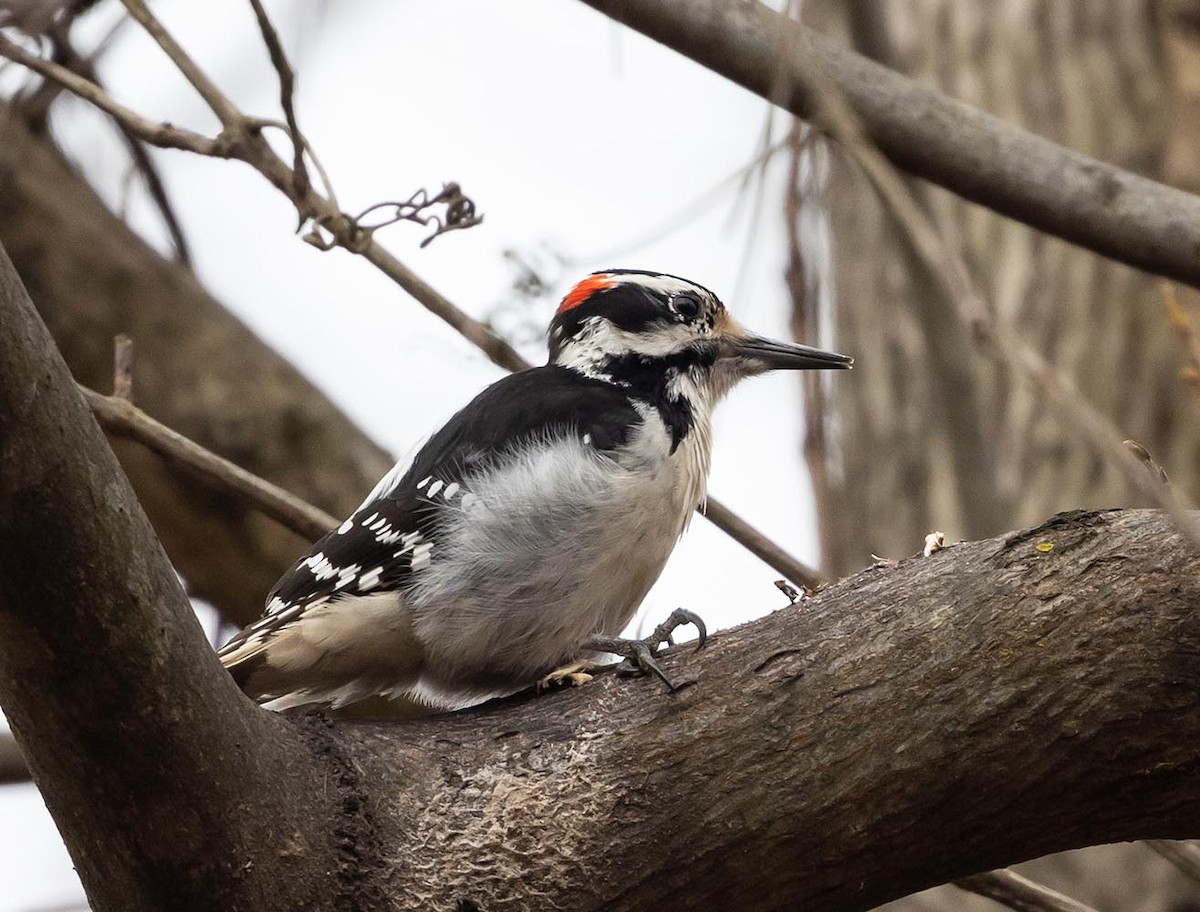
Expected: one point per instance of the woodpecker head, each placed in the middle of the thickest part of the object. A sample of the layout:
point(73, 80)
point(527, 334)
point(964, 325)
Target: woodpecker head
point(663, 336)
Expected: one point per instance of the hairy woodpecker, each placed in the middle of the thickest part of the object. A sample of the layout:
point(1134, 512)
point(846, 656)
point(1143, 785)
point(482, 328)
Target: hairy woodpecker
point(525, 533)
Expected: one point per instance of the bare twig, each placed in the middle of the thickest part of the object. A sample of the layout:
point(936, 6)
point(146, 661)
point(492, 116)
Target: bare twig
point(158, 192)
point(806, 327)
point(1183, 854)
point(1143, 455)
point(36, 106)
point(761, 546)
point(460, 213)
point(991, 338)
point(981, 158)
point(166, 136)
point(287, 92)
point(227, 113)
point(121, 418)
point(687, 213)
point(1011, 889)
point(241, 138)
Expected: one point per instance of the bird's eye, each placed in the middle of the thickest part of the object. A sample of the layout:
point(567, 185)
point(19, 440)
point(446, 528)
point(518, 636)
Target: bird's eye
point(685, 305)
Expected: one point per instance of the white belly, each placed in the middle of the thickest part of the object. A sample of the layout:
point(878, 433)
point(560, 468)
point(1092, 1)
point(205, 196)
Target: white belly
point(561, 544)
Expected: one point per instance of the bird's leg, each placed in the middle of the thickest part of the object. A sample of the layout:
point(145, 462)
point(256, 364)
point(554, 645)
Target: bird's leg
point(574, 674)
point(640, 655)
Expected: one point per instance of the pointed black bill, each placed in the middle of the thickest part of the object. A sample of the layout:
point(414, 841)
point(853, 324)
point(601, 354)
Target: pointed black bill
point(767, 354)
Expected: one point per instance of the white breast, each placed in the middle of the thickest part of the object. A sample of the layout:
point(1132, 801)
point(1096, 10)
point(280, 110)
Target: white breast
point(559, 544)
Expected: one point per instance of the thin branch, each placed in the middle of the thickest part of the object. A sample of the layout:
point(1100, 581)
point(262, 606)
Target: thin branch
point(37, 106)
point(158, 192)
point(1183, 854)
point(460, 214)
point(991, 338)
point(983, 159)
point(166, 136)
point(1020, 893)
point(242, 139)
point(761, 546)
point(123, 419)
point(287, 92)
point(687, 213)
point(218, 102)
point(806, 327)
point(498, 351)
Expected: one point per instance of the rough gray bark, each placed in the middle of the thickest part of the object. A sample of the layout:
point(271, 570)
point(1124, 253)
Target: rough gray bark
point(910, 725)
point(170, 789)
point(197, 369)
point(1095, 78)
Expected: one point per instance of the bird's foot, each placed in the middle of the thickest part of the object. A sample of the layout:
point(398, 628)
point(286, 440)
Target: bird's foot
point(572, 675)
point(641, 655)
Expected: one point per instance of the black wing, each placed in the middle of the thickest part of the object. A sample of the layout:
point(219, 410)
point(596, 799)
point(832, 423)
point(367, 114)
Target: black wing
point(391, 535)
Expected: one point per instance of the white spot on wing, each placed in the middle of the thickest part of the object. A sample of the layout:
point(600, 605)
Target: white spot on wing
point(434, 488)
point(421, 557)
point(290, 615)
point(346, 577)
point(346, 526)
point(320, 566)
point(410, 540)
point(370, 579)
point(451, 490)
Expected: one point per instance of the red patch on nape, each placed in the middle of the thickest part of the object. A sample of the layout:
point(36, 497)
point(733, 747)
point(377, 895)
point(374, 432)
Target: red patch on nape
point(585, 289)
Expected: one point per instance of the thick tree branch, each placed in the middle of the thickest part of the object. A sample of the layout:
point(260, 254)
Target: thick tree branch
point(961, 300)
point(170, 790)
point(908, 726)
point(12, 762)
point(199, 370)
point(242, 138)
point(1016, 173)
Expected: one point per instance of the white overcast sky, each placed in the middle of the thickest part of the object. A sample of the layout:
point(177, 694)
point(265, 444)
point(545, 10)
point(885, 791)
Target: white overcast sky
point(569, 131)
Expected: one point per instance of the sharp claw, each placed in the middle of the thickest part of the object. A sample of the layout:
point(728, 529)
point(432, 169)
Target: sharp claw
point(646, 661)
point(701, 630)
point(678, 618)
point(640, 654)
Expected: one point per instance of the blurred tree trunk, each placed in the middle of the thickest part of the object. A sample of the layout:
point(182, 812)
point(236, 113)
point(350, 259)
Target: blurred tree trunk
point(1096, 76)
point(1119, 81)
point(196, 367)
